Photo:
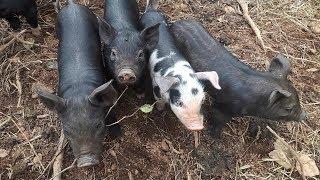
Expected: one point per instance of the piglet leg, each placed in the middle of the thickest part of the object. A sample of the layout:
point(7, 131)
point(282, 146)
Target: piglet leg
point(161, 104)
point(114, 130)
point(218, 121)
point(14, 22)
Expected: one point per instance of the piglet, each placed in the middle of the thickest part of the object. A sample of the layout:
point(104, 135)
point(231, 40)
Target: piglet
point(126, 43)
point(83, 93)
point(173, 79)
point(11, 9)
point(245, 91)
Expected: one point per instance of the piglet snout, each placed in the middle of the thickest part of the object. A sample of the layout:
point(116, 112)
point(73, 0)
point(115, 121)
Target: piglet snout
point(194, 124)
point(87, 160)
point(126, 76)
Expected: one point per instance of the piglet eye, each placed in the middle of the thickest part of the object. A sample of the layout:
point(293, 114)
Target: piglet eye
point(113, 55)
point(179, 103)
point(141, 55)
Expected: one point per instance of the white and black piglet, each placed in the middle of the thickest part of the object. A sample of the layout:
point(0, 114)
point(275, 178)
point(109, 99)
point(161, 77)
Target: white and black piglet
point(173, 79)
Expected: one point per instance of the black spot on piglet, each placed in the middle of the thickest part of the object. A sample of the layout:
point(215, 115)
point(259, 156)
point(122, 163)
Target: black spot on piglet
point(174, 95)
point(194, 91)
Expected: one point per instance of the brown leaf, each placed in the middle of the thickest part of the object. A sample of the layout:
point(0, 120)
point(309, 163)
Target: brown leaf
point(279, 146)
point(280, 157)
point(310, 168)
point(315, 26)
point(3, 153)
point(164, 145)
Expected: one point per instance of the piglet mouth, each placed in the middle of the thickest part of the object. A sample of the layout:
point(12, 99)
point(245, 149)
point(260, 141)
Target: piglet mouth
point(193, 124)
point(87, 160)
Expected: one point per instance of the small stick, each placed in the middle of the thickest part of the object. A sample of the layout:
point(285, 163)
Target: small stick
point(116, 101)
point(245, 14)
point(5, 122)
point(66, 169)
point(57, 164)
point(128, 116)
point(19, 88)
point(293, 152)
point(196, 135)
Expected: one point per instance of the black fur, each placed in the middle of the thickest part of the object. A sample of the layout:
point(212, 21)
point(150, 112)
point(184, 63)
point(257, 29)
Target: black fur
point(11, 9)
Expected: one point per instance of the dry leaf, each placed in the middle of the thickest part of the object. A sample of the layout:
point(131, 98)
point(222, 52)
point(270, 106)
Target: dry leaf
point(112, 153)
point(229, 9)
point(30, 43)
point(130, 176)
point(310, 168)
point(280, 157)
point(3, 153)
point(315, 26)
point(37, 159)
point(164, 145)
point(278, 145)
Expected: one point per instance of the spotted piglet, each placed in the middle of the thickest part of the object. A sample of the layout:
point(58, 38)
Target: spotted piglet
point(174, 81)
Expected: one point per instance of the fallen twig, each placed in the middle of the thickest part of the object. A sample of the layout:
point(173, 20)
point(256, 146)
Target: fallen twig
point(245, 14)
point(19, 88)
point(3, 47)
point(196, 135)
point(66, 169)
point(116, 101)
point(57, 164)
point(128, 116)
point(5, 122)
point(293, 152)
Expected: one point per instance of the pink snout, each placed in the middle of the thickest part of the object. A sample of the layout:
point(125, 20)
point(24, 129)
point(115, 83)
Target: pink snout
point(193, 124)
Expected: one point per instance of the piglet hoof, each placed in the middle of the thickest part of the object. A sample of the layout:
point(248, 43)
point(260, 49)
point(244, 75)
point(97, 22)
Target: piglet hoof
point(115, 131)
point(160, 105)
point(141, 96)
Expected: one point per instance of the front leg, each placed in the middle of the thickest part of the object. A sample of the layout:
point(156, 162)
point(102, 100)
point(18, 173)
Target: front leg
point(139, 89)
point(114, 130)
point(14, 21)
point(161, 103)
point(218, 121)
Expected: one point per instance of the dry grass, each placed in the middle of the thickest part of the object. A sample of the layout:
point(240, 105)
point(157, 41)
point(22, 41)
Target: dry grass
point(31, 138)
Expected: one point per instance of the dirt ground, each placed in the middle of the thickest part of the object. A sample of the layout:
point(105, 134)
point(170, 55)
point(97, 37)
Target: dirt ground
point(155, 145)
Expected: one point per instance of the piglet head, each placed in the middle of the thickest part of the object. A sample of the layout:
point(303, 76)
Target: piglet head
point(283, 101)
point(186, 96)
point(83, 120)
point(125, 52)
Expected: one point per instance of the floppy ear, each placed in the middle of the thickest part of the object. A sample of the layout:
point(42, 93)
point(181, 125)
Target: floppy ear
point(104, 95)
point(276, 95)
point(165, 83)
point(51, 101)
point(106, 31)
point(151, 36)
point(280, 66)
point(212, 76)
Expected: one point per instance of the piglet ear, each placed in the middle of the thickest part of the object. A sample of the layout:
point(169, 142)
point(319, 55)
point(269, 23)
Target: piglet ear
point(151, 36)
point(104, 95)
point(212, 76)
point(280, 66)
point(51, 101)
point(165, 83)
point(276, 95)
point(106, 31)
